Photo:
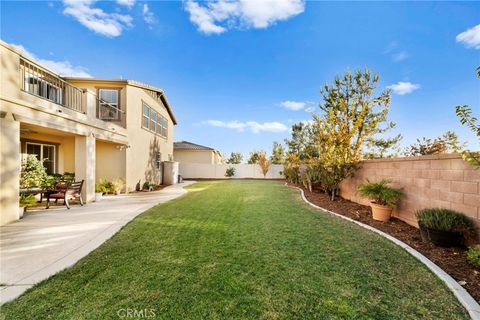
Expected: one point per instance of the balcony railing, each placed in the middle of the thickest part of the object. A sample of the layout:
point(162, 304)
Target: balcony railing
point(38, 81)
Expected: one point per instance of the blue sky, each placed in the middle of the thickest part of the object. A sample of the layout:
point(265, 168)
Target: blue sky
point(239, 74)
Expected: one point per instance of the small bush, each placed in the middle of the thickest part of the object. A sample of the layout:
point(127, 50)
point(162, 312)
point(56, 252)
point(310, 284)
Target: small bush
point(99, 188)
point(380, 192)
point(230, 172)
point(443, 219)
point(32, 173)
point(146, 185)
point(473, 255)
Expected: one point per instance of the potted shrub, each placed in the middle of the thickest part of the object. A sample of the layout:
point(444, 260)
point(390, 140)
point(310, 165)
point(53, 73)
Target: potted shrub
point(384, 198)
point(147, 186)
point(230, 172)
point(99, 191)
point(25, 201)
point(444, 227)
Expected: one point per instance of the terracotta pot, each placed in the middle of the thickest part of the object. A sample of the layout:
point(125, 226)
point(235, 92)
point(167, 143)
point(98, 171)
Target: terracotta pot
point(381, 213)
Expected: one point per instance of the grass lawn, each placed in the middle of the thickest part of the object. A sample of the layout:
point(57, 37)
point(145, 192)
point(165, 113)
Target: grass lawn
point(241, 249)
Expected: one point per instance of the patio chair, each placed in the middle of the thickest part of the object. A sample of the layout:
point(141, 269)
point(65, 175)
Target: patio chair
point(72, 191)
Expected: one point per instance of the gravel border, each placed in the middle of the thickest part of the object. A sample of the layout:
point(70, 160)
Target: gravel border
point(462, 295)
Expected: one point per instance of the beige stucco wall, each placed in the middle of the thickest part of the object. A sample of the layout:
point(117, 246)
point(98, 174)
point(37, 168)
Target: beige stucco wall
point(144, 144)
point(194, 156)
point(217, 171)
point(110, 161)
point(430, 181)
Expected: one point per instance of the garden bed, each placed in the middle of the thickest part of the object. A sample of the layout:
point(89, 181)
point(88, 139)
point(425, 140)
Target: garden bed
point(452, 260)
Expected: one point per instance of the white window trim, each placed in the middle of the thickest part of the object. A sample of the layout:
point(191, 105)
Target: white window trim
point(157, 123)
point(41, 152)
point(115, 105)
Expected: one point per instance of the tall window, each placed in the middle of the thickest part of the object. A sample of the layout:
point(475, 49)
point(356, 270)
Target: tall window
point(154, 121)
point(158, 160)
point(108, 106)
point(45, 153)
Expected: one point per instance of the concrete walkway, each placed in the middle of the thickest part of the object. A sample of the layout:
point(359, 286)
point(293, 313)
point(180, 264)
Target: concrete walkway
point(47, 242)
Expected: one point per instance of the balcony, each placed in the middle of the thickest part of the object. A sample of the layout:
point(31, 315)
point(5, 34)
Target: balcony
point(40, 82)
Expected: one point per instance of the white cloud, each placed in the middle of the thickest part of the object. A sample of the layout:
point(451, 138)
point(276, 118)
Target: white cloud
point(471, 37)
point(402, 88)
point(218, 16)
point(95, 19)
point(253, 126)
point(400, 56)
point(64, 68)
point(148, 15)
point(293, 105)
point(126, 3)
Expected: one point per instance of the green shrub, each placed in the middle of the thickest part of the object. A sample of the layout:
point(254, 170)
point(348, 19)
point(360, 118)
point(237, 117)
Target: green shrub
point(100, 187)
point(230, 172)
point(443, 219)
point(108, 186)
point(473, 255)
point(32, 172)
point(146, 185)
point(380, 192)
point(27, 200)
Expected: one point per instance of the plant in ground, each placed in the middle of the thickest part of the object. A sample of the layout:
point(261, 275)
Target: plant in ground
point(100, 188)
point(380, 193)
point(230, 172)
point(446, 143)
point(291, 168)
point(473, 255)
point(32, 172)
point(264, 163)
point(443, 219)
point(146, 185)
point(118, 185)
point(278, 153)
point(235, 158)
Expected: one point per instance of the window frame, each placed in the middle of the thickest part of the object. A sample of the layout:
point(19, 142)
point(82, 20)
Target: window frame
point(160, 121)
point(118, 106)
point(41, 145)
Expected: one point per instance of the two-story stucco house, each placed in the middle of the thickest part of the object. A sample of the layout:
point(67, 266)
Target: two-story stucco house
point(95, 128)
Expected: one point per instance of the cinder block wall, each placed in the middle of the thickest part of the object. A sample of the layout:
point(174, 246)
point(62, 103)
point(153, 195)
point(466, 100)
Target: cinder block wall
point(428, 181)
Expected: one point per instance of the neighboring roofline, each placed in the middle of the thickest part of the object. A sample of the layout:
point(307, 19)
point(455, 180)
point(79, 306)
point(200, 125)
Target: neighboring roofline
point(132, 83)
point(201, 147)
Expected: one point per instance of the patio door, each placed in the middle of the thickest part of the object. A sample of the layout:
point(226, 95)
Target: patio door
point(45, 153)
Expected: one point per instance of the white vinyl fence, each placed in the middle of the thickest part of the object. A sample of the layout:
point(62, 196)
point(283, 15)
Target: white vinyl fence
point(217, 171)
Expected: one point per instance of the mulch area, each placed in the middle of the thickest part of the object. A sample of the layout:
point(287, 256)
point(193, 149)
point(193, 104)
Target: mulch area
point(451, 260)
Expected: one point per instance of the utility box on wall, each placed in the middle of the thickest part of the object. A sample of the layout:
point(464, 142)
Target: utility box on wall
point(170, 172)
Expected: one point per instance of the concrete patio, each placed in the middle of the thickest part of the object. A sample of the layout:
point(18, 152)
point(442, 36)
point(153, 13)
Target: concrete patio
point(47, 242)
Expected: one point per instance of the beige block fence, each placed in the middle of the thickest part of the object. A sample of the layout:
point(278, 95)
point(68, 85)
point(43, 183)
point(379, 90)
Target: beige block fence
point(444, 181)
point(217, 171)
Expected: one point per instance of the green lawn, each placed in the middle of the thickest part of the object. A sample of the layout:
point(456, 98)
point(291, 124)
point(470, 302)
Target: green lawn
point(242, 249)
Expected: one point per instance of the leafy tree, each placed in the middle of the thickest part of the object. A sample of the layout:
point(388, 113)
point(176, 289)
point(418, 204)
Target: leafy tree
point(264, 163)
point(384, 148)
point(254, 157)
point(448, 142)
point(352, 116)
point(465, 114)
point(235, 158)
point(278, 153)
point(301, 142)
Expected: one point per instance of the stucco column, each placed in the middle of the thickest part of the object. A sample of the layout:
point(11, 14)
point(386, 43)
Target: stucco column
point(9, 167)
point(85, 165)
